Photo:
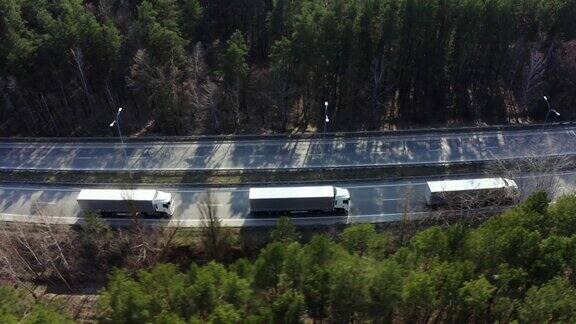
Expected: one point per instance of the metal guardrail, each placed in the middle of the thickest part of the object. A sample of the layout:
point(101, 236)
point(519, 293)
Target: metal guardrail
point(294, 136)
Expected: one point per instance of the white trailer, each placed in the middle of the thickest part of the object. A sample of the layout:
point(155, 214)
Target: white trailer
point(471, 191)
point(299, 199)
point(109, 202)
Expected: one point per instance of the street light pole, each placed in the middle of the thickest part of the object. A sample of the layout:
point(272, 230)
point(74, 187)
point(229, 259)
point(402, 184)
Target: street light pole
point(549, 111)
point(326, 119)
point(117, 123)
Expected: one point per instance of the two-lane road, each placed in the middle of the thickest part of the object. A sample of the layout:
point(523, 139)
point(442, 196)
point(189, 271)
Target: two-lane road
point(294, 153)
point(374, 202)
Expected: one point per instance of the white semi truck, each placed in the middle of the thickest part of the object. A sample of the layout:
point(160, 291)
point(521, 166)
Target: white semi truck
point(471, 191)
point(326, 199)
point(110, 202)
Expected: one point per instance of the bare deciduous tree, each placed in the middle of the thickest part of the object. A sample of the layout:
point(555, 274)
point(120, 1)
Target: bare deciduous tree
point(211, 225)
point(534, 74)
point(407, 224)
point(42, 252)
point(533, 173)
point(379, 88)
point(79, 61)
point(216, 239)
point(62, 256)
point(146, 244)
point(200, 91)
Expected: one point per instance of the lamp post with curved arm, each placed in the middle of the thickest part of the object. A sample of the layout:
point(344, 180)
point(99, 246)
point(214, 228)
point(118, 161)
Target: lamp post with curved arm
point(117, 123)
point(549, 111)
point(326, 119)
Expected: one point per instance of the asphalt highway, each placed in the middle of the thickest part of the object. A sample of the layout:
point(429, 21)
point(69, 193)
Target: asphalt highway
point(295, 153)
point(373, 202)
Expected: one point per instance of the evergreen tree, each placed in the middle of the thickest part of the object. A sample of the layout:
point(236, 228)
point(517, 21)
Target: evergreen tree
point(288, 308)
point(357, 238)
point(191, 18)
point(284, 230)
point(225, 314)
point(477, 295)
point(124, 301)
point(234, 66)
point(385, 290)
point(553, 302)
point(269, 265)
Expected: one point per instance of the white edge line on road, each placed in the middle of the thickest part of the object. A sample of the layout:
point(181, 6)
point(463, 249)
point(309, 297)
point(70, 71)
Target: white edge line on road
point(320, 218)
point(40, 217)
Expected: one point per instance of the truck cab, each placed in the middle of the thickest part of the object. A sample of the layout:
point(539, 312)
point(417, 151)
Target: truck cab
point(164, 203)
point(341, 199)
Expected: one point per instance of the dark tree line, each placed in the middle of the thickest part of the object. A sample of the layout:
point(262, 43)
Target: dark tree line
point(190, 66)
